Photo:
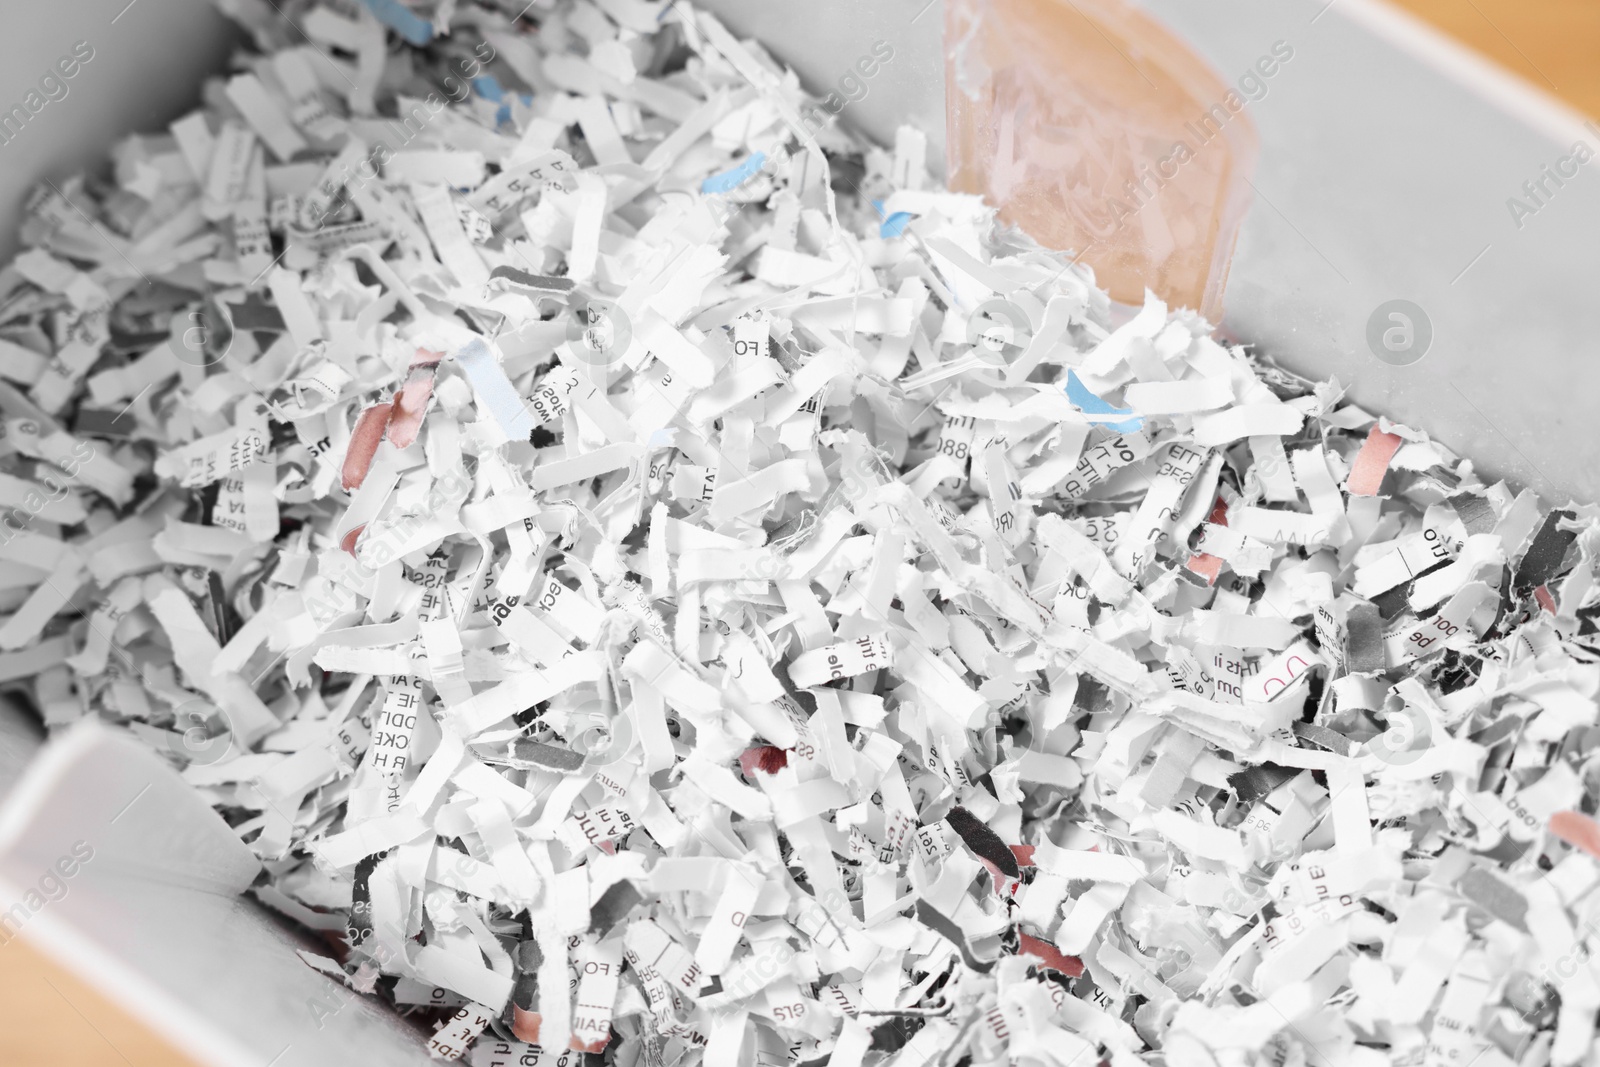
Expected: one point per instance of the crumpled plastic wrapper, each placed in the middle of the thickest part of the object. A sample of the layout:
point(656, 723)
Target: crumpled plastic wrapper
point(656, 578)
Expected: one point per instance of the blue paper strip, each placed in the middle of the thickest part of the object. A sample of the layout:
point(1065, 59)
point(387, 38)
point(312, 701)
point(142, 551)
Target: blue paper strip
point(1090, 404)
point(402, 20)
point(731, 179)
point(895, 224)
point(494, 390)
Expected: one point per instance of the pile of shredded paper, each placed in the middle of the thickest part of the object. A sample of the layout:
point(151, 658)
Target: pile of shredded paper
point(651, 575)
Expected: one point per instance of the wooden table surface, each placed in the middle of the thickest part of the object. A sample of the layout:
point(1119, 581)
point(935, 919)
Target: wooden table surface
point(1555, 44)
point(49, 1018)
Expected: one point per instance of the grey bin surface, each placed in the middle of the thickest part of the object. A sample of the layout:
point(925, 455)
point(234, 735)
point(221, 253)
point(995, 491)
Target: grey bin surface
point(149, 60)
point(156, 920)
point(1387, 156)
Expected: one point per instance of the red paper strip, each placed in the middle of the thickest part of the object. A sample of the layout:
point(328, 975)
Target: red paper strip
point(1372, 463)
point(1052, 957)
point(1024, 856)
point(1577, 830)
point(411, 402)
point(762, 758)
point(1205, 565)
point(525, 1025)
point(364, 442)
point(348, 543)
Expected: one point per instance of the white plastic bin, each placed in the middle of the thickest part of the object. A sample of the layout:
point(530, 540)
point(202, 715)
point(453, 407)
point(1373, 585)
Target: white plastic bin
point(1388, 155)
